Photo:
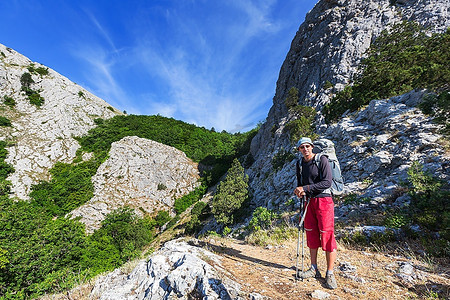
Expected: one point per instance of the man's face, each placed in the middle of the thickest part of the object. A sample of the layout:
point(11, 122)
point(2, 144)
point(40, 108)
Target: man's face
point(305, 149)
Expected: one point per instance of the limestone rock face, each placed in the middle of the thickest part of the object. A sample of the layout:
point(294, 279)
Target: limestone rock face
point(139, 173)
point(42, 136)
point(179, 270)
point(328, 46)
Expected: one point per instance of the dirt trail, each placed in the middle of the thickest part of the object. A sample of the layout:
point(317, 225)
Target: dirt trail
point(270, 272)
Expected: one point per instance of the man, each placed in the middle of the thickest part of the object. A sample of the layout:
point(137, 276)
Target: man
point(314, 181)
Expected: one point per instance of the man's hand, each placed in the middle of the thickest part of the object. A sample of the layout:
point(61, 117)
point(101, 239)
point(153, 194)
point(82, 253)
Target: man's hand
point(299, 191)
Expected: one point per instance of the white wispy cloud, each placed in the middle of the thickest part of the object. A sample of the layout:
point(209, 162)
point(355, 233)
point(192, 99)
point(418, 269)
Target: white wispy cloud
point(208, 85)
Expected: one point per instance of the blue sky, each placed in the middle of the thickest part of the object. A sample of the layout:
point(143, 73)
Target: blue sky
point(213, 63)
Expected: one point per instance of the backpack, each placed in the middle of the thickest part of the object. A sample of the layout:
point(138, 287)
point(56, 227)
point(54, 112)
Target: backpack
point(326, 147)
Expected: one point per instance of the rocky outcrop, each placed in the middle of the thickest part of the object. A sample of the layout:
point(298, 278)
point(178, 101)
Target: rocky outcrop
point(328, 46)
point(179, 270)
point(139, 173)
point(41, 136)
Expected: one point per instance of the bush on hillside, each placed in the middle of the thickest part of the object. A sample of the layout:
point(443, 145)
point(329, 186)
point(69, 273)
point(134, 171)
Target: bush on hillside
point(400, 59)
point(9, 101)
point(4, 121)
point(230, 194)
point(438, 106)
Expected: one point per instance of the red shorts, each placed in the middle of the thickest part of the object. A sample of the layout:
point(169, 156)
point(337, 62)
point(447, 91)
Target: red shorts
point(319, 224)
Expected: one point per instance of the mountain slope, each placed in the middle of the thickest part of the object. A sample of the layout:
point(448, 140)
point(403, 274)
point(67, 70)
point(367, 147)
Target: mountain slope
point(42, 135)
point(327, 50)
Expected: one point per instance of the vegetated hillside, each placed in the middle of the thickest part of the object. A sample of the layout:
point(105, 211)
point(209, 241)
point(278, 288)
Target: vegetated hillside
point(55, 137)
point(45, 111)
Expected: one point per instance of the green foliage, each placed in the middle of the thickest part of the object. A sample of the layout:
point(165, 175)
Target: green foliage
point(5, 170)
point(9, 101)
point(162, 218)
point(438, 106)
point(181, 204)
point(303, 125)
point(197, 215)
point(80, 94)
point(226, 231)
point(262, 219)
point(401, 59)
point(327, 85)
point(291, 100)
point(40, 255)
point(69, 188)
point(396, 220)
point(230, 194)
point(26, 80)
point(352, 198)
point(161, 187)
point(280, 158)
point(126, 232)
point(40, 245)
point(39, 70)
point(4, 121)
point(430, 205)
point(98, 121)
point(3, 258)
point(35, 98)
point(374, 238)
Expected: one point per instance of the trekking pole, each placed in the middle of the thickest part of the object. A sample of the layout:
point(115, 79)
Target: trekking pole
point(301, 226)
point(298, 240)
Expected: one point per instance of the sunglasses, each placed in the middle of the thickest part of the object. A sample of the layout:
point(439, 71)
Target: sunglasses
point(305, 146)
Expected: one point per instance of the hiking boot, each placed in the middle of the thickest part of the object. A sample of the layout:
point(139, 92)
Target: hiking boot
point(330, 281)
point(309, 273)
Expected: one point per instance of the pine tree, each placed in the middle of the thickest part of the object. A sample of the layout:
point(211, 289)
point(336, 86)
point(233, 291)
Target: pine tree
point(230, 194)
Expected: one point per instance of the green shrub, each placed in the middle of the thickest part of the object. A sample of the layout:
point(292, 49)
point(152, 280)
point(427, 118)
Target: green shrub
point(303, 125)
point(162, 218)
point(41, 70)
point(401, 59)
point(36, 99)
point(26, 81)
point(98, 121)
point(396, 220)
point(281, 158)
point(430, 204)
point(262, 219)
point(291, 100)
point(9, 101)
point(230, 194)
point(438, 106)
point(161, 187)
point(327, 85)
point(70, 187)
point(276, 235)
point(181, 204)
point(4, 121)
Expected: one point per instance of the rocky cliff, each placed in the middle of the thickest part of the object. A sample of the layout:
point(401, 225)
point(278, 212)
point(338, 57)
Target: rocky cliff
point(138, 173)
point(328, 47)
